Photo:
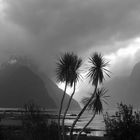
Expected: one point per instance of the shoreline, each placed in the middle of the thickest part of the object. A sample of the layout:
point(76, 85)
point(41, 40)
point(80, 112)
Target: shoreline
point(13, 118)
point(89, 137)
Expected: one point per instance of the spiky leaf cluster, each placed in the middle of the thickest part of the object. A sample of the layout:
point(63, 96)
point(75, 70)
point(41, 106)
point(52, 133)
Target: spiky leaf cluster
point(97, 69)
point(96, 105)
point(68, 68)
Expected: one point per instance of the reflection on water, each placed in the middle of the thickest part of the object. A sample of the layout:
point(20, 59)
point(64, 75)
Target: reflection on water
point(98, 133)
point(97, 123)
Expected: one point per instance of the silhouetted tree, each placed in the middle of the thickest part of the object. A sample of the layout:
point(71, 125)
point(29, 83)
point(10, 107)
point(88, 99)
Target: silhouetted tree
point(96, 75)
point(66, 71)
point(96, 105)
point(75, 75)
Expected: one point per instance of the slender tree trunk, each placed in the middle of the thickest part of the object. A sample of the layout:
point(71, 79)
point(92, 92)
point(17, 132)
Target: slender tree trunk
point(81, 112)
point(86, 126)
point(68, 105)
point(60, 110)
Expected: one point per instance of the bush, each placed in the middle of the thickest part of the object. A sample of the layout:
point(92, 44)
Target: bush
point(124, 125)
point(36, 126)
point(53, 131)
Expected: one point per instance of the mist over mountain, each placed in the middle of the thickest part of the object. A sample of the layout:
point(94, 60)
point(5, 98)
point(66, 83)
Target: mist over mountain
point(56, 94)
point(125, 89)
point(19, 84)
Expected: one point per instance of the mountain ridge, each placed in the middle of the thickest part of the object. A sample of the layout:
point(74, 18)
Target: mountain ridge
point(126, 88)
point(19, 84)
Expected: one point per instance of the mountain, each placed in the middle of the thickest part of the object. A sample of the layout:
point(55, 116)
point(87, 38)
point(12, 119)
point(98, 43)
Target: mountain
point(135, 74)
point(126, 89)
point(57, 94)
point(19, 84)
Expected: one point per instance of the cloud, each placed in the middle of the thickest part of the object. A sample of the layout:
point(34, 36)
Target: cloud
point(42, 29)
point(123, 60)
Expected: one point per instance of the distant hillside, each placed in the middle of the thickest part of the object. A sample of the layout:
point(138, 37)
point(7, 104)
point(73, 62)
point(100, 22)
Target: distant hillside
point(126, 89)
point(19, 84)
point(57, 94)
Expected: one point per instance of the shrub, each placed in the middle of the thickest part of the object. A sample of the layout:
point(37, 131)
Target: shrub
point(34, 125)
point(53, 131)
point(124, 125)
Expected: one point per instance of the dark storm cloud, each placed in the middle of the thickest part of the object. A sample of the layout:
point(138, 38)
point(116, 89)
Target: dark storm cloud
point(44, 28)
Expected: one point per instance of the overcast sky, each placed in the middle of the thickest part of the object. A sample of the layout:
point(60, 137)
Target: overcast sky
point(42, 29)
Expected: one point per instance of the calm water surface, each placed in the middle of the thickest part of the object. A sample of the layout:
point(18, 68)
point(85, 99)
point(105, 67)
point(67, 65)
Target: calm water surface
point(97, 123)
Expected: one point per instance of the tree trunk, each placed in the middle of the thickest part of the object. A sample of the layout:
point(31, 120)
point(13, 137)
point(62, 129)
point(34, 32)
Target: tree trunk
point(60, 110)
point(86, 125)
point(81, 112)
point(68, 105)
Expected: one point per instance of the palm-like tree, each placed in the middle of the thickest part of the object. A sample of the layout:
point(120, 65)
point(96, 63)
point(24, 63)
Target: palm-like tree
point(75, 75)
point(96, 75)
point(96, 105)
point(66, 71)
point(97, 68)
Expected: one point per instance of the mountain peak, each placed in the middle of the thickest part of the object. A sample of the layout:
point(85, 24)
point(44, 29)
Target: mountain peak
point(135, 74)
point(19, 84)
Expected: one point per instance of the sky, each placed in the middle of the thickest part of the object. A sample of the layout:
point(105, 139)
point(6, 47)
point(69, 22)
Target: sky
point(43, 29)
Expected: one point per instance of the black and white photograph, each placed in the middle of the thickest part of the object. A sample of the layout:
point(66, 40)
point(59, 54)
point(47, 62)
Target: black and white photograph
point(69, 69)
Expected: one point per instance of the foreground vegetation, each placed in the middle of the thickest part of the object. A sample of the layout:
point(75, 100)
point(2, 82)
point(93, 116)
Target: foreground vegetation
point(124, 125)
point(34, 126)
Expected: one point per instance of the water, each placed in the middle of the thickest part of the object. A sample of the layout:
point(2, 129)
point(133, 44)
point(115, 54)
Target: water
point(97, 123)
